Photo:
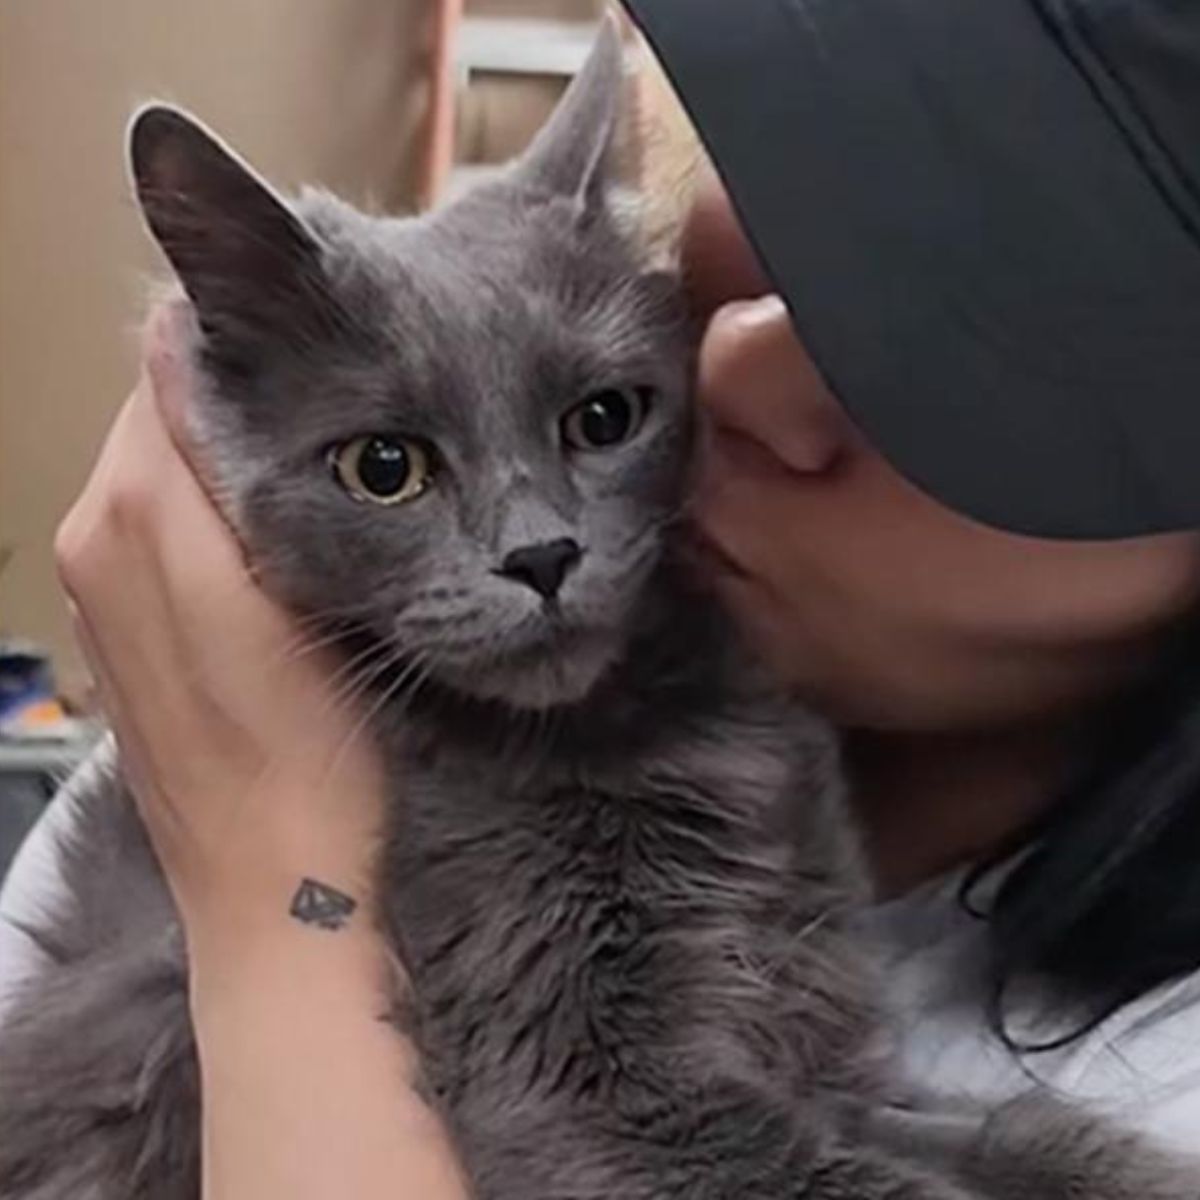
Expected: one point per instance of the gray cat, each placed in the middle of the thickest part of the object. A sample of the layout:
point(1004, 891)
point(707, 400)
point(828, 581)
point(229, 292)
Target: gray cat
point(624, 880)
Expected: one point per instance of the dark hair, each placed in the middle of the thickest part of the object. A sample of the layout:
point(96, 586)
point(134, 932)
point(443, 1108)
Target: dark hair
point(1104, 904)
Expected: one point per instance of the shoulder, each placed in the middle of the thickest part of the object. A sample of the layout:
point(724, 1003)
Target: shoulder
point(36, 888)
point(32, 888)
point(1141, 1067)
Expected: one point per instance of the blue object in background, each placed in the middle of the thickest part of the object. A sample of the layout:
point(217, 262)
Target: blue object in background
point(39, 745)
point(26, 678)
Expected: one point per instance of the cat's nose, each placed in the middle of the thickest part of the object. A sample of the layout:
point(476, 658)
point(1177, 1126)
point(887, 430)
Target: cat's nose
point(543, 566)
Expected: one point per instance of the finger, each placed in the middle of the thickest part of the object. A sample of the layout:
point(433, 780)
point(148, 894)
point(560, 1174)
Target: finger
point(216, 607)
point(138, 766)
point(91, 506)
point(172, 382)
point(163, 581)
point(171, 385)
point(152, 546)
point(91, 656)
point(106, 694)
point(181, 501)
point(154, 710)
point(211, 597)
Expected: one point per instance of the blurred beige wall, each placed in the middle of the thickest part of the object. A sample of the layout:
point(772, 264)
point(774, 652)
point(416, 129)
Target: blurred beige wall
point(315, 90)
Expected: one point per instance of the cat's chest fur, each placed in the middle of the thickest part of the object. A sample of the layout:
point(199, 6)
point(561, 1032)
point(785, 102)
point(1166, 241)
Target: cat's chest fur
point(608, 909)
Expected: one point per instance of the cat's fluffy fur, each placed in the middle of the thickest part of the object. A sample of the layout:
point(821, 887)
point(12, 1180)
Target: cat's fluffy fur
point(623, 878)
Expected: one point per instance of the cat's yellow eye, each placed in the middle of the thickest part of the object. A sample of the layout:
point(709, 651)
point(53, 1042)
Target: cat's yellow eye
point(382, 470)
point(606, 419)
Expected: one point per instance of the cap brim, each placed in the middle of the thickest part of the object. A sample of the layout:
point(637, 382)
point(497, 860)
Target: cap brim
point(987, 270)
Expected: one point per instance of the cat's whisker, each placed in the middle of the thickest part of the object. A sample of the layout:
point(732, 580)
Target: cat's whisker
point(305, 624)
point(378, 662)
point(360, 686)
point(377, 706)
point(347, 677)
point(324, 616)
point(418, 681)
point(323, 639)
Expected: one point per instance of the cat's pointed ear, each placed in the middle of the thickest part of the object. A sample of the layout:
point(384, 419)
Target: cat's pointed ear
point(243, 257)
point(573, 154)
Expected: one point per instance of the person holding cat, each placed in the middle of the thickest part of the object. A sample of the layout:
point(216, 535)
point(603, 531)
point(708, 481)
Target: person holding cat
point(959, 537)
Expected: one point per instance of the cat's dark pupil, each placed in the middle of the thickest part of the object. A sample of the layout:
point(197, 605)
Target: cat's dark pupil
point(606, 419)
point(384, 467)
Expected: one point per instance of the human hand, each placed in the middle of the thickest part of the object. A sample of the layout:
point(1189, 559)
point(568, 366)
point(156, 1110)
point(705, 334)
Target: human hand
point(248, 771)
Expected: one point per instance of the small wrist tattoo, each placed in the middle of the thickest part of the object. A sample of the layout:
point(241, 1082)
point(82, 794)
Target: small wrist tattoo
point(319, 904)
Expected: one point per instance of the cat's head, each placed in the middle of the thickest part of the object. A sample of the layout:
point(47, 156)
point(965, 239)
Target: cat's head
point(465, 432)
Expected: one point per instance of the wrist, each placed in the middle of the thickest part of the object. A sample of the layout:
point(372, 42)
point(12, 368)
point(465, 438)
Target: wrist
point(233, 893)
point(253, 872)
point(268, 957)
point(294, 902)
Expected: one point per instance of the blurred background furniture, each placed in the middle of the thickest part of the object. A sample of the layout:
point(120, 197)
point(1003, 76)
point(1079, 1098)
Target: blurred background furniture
point(41, 743)
point(496, 76)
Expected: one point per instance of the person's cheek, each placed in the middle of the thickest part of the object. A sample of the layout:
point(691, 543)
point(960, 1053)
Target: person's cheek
point(755, 614)
point(742, 513)
point(725, 500)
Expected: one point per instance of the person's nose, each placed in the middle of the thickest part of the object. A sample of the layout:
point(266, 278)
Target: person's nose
point(758, 382)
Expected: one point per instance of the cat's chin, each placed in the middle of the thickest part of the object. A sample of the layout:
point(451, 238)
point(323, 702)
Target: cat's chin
point(540, 681)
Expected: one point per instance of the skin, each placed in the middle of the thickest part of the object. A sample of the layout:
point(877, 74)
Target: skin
point(964, 662)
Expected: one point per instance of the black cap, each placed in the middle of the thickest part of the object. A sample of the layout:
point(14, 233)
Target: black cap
point(985, 218)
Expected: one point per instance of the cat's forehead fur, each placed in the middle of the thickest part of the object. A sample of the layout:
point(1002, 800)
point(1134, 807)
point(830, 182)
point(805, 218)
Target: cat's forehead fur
point(495, 257)
point(466, 316)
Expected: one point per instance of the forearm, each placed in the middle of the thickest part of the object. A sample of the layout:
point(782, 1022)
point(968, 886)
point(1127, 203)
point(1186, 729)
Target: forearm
point(307, 1092)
